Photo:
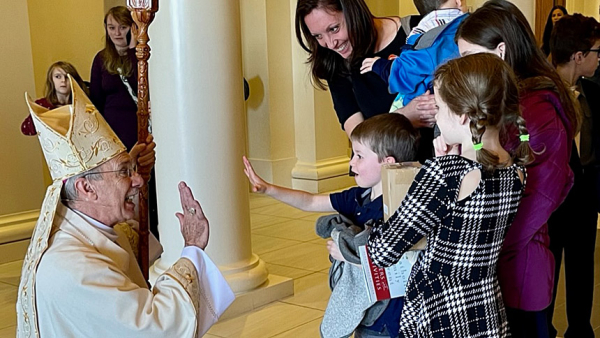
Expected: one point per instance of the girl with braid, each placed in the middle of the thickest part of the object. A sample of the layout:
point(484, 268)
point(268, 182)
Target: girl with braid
point(463, 201)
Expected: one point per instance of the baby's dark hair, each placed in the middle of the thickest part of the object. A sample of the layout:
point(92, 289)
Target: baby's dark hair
point(389, 135)
point(483, 87)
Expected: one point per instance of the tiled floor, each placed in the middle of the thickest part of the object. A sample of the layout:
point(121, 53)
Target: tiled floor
point(284, 238)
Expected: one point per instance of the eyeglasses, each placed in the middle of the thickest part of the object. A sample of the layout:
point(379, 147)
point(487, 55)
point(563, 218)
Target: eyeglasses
point(124, 172)
point(597, 50)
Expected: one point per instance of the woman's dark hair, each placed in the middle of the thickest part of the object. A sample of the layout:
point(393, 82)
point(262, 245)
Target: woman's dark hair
point(484, 88)
point(50, 91)
point(573, 33)
point(548, 29)
point(500, 21)
point(325, 63)
point(112, 60)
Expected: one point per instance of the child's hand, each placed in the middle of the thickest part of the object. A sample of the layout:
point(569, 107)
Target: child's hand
point(334, 251)
point(367, 64)
point(258, 184)
point(442, 149)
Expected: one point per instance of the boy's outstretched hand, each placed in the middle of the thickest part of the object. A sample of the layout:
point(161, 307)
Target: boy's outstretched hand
point(258, 184)
point(367, 64)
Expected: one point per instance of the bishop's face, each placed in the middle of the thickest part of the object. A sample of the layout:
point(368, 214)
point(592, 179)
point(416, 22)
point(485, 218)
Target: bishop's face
point(116, 190)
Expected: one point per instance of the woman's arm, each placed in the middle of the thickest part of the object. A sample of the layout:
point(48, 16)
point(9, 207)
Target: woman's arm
point(345, 104)
point(352, 122)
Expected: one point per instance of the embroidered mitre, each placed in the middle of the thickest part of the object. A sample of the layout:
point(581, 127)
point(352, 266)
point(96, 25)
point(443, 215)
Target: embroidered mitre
point(74, 138)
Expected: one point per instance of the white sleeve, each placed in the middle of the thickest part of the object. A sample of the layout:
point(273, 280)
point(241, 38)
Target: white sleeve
point(216, 295)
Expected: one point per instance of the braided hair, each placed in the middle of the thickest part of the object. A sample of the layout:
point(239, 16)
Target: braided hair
point(484, 88)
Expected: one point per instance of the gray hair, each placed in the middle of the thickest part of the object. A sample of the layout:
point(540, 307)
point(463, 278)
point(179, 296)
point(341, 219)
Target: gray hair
point(69, 193)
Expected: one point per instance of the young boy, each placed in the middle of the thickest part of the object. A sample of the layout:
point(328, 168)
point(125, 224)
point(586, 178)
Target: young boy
point(385, 138)
point(430, 44)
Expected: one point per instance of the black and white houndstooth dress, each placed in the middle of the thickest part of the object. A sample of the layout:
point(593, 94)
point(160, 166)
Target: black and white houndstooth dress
point(453, 289)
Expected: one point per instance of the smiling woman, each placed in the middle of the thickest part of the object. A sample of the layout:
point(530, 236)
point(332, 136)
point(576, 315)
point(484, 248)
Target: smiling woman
point(339, 35)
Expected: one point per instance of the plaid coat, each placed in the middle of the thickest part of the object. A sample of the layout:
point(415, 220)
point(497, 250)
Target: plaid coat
point(453, 289)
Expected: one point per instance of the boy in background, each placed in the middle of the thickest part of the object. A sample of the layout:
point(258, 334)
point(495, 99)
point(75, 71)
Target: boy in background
point(575, 48)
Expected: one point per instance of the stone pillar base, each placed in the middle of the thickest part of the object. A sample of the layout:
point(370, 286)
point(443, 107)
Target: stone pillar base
point(327, 175)
point(274, 288)
point(246, 277)
point(324, 185)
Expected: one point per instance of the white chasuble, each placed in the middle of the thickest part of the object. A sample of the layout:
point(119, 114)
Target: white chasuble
point(89, 286)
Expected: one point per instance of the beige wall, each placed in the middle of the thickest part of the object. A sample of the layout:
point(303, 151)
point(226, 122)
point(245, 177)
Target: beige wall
point(21, 180)
point(67, 30)
point(474, 4)
point(585, 7)
point(592, 8)
point(383, 7)
point(392, 7)
point(108, 4)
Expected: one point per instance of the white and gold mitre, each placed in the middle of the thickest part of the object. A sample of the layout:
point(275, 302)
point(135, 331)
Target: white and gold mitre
point(74, 138)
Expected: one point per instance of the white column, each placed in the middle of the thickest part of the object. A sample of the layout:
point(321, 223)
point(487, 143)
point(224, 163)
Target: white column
point(196, 90)
point(528, 9)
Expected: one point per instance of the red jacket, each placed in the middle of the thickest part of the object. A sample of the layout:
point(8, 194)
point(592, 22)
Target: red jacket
point(27, 127)
point(526, 264)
